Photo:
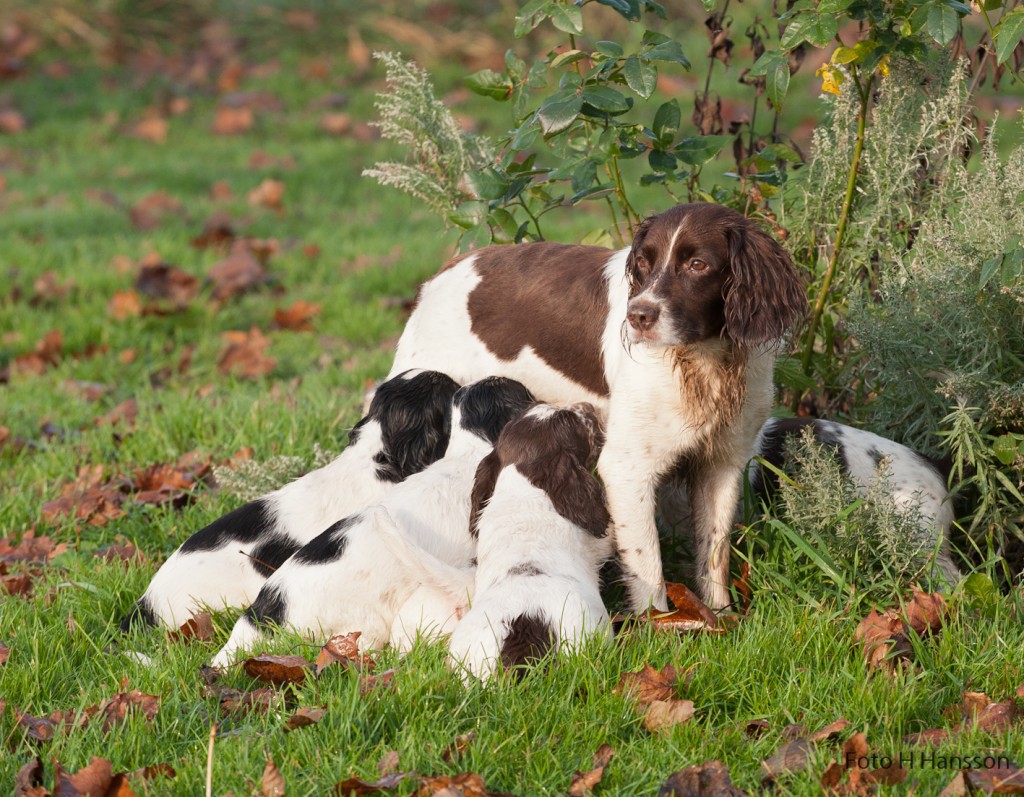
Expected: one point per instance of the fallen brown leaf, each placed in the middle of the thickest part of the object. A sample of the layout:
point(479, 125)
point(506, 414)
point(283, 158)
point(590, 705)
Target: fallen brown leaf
point(116, 708)
point(124, 304)
point(48, 288)
point(29, 779)
point(218, 232)
point(926, 612)
point(273, 781)
point(755, 729)
point(932, 736)
point(235, 701)
point(151, 128)
point(125, 413)
point(665, 714)
point(343, 649)
point(238, 273)
point(690, 613)
point(244, 354)
point(39, 728)
point(336, 123)
point(268, 194)
point(790, 757)
point(150, 211)
point(388, 763)
point(159, 280)
point(5, 653)
point(465, 784)
point(221, 190)
point(30, 548)
point(457, 749)
point(12, 121)
point(998, 780)
point(93, 779)
point(583, 782)
point(357, 786)
point(830, 731)
point(232, 121)
point(710, 779)
point(277, 670)
point(649, 684)
point(370, 683)
point(199, 627)
point(303, 717)
point(298, 316)
point(120, 551)
point(47, 352)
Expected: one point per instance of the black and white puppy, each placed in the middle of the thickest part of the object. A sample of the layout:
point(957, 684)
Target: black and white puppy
point(359, 573)
point(543, 533)
point(226, 563)
point(915, 483)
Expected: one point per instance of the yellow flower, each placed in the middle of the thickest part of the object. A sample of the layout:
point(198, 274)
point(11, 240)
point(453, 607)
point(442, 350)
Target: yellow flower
point(883, 66)
point(831, 78)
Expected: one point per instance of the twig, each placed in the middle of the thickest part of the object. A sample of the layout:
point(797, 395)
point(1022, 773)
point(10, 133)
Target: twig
point(209, 761)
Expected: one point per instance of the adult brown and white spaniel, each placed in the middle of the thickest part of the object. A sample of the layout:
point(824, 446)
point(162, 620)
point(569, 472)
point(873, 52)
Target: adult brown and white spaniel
point(673, 340)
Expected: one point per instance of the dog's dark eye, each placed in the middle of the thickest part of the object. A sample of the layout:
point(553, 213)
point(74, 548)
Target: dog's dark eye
point(641, 263)
point(697, 265)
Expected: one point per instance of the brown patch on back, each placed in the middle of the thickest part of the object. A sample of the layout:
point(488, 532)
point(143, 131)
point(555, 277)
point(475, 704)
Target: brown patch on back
point(550, 297)
point(529, 640)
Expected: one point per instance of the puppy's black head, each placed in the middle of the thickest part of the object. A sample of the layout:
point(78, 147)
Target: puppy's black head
point(485, 407)
point(414, 413)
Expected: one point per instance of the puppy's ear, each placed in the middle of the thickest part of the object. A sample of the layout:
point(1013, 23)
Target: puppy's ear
point(764, 293)
point(483, 488)
point(415, 428)
point(576, 494)
point(634, 277)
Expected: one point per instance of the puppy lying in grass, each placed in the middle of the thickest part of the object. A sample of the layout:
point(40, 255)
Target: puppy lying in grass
point(226, 563)
point(542, 533)
point(360, 573)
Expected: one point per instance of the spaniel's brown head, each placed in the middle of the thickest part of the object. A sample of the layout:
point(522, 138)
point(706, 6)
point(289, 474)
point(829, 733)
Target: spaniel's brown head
point(555, 448)
point(703, 271)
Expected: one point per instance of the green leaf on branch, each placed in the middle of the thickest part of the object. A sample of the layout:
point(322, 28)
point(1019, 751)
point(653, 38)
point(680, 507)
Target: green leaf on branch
point(491, 84)
point(1009, 32)
point(641, 76)
point(488, 183)
point(822, 30)
point(559, 111)
point(661, 161)
point(504, 228)
point(627, 8)
point(666, 122)
point(468, 214)
point(776, 82)
point(609, 49)
point(531, 15)
point(606, 99)
point(567, 18)
point(659, 47)
point(568, 57)
point(943, 24)
point(697, 150)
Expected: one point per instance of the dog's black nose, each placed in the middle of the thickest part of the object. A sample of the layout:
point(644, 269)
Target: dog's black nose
point(642, 315)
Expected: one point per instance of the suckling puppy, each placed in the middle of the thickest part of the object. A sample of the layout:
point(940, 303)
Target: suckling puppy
point(359, 573)
point(915, 482)
point(226, 563)
point(673, 340)
point(543, 533)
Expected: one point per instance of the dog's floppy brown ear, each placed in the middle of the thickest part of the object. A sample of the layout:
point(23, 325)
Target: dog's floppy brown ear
point(764, 294)
point(574, 491)
point(634, 278)
point(483, 488)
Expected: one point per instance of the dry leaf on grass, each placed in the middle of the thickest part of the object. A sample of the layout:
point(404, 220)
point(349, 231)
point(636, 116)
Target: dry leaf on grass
point(457, 749)
point(648, 684)
point(272, 783)
point(162, 281)
point(710, 779)
point(465, 784)
point(151, 128)
point(297, 317)
point(29, 779)
point(121, 550)
point(244, 354)
point(268, 194)
point(343, 649)
point(47, 352)
point(150, 211)
point(125, 412)
point(371, 683)
point(303, 717)
point(663, 715)
point(583, 782)
point(235, 701)
point(357, 786)
point(232, 121)
point(277, 670)
point(218, 232)
point(30, 548)
point(5, 653)
point(199, 627)
point(690, 613)
point(116, 708)
point(790, 757)
point(93, 779)
point(884, 636)
point(124, 304)
point(240, 272)
point(997, 780)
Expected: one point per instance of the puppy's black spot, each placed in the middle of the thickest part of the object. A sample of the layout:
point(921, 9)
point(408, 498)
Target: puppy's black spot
point(271, 554)
point(415, 419)
point(268, 609)
point(140, 614)
point(530, 639)
point(876, 456)
point(246, 524)
point(526, 569)
point(488, 405)
point(329, 545)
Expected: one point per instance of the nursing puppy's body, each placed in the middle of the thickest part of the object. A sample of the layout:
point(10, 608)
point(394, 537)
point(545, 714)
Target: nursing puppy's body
point(226, 563)
point(359, 573)
point(543, 534)
point(673, 340)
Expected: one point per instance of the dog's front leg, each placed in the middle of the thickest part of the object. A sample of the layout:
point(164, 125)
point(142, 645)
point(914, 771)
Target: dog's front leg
point(631, 493)
point(714, 491)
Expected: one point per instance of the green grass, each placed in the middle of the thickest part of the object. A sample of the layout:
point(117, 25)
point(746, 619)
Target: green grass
point(786, 662)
